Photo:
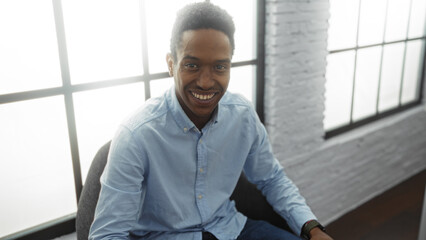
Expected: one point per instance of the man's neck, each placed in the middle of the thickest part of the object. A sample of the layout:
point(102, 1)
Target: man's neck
point(199, 122)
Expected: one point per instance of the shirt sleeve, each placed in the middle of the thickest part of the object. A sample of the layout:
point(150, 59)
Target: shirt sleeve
point(264, 170)
point(121, 192)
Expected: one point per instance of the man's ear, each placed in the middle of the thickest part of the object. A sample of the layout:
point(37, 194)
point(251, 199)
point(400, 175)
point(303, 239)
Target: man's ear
point(170, 63)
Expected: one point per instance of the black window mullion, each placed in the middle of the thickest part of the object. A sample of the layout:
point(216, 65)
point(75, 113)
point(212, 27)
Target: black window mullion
point(401, 85)
point(260, 51)
point(355, 64)
point(144, 43)
point(381, 58)
point(69, 104)
point(375, 45)
point(245, 63)
point(423, 74)
point(29, 95)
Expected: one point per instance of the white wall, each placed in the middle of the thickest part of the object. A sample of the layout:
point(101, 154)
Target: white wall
point(341, 173)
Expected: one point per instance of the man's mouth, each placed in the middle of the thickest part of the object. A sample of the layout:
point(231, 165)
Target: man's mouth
point(203, 97)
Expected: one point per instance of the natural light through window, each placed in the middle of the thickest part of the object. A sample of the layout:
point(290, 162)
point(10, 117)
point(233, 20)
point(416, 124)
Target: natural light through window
point(103, 39)
point(376, 52)
point(35, 164)
point(70, 72)
point(28, 65)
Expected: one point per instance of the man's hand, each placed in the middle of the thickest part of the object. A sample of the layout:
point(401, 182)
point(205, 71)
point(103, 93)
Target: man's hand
point(318, 234)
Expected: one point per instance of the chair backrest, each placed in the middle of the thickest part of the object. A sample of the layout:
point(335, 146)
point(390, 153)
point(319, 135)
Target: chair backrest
point(248, 199)
point(90, 193)
point(422, 231)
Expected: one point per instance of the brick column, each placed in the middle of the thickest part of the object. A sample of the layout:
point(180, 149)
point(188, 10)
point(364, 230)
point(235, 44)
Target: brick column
point(296, 51)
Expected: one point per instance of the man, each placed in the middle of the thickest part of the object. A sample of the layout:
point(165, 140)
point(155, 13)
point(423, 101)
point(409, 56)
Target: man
point(174, 164)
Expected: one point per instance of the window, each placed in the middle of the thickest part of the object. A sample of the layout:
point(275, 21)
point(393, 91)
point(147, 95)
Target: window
point(375, 61)
point(70, 71)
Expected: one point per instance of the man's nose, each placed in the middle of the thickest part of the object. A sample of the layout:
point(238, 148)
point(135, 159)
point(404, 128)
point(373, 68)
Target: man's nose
point(205, 80)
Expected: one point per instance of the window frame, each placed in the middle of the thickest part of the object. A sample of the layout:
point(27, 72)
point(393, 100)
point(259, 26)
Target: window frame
point(66, 224)
point(401, 107)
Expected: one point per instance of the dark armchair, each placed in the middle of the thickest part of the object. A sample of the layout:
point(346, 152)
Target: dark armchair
point(248, 199)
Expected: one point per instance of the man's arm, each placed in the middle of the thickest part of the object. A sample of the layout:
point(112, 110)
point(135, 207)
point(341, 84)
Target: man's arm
point(265, 171)
point(120, 197)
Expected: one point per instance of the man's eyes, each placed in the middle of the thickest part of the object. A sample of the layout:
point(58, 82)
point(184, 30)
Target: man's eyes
point(195, 67)
point(221, 68)
point(191, 66)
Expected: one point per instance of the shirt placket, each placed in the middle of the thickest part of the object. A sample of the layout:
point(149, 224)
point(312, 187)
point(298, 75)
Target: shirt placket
point(200, 181)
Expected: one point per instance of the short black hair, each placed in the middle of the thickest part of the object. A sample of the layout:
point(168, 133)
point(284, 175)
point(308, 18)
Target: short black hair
point(201, 15)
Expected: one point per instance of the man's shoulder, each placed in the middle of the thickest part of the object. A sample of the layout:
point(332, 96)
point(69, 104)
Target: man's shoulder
point(152, 109)
point(235, 99)
point(237, 104)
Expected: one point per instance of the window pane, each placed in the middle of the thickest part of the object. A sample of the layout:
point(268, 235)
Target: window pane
point(28, 47)
point(242, 81)
point(159, 86)
point(338, 95)
point(159, 30)
point(98, 114)
point(366, 82)
point(412, 71)
point(34, 150)
point(343, 24)
point(244, 15)
point(103, 38)
point(391, 76)
point(417, 19)
point(397, 20)
point(372, 22)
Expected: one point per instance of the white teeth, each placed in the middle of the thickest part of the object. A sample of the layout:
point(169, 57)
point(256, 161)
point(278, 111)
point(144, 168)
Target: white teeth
point(202, 97)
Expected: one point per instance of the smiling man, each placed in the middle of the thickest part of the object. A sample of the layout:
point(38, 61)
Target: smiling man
point(201, 72)
point(174, 164)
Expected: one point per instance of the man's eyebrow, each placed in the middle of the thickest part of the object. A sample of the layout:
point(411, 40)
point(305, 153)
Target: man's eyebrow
point(190, 57)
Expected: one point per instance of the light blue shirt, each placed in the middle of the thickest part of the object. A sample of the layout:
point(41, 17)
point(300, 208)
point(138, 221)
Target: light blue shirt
point(165, 179)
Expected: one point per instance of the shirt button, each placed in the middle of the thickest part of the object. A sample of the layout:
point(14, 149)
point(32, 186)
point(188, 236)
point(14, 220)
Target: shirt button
point(201, 170)
point(185, 129)
point(201, 141)
point(200, 196)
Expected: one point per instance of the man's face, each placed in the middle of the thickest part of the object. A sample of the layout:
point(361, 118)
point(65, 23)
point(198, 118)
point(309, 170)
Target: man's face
point(201, 71)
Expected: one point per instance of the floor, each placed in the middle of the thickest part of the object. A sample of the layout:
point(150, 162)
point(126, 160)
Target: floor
point(394, 214)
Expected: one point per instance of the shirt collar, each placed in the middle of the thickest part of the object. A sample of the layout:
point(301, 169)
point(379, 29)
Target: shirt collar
point(177, 112)
point(180, 116)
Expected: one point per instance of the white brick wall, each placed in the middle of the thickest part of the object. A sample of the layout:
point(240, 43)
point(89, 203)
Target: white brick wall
point(338, 174)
